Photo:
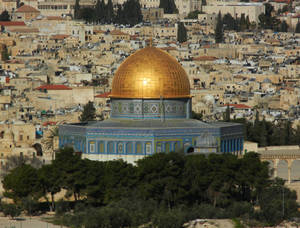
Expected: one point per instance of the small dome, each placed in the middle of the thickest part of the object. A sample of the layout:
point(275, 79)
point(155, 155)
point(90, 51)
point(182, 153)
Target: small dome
point(150, 73)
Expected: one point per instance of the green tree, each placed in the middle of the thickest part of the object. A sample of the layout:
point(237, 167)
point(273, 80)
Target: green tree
point(72, 171)
point(283, 26)
point(109, 12)
point(49, 178)
point(219, 30)
point(89, 112)
point(181, 33)
point(77, 10)
point(168, 6)
point(87, 14)
point(229, 22)
point(297, 30)
point(99, 11)
point(193, 14)
point(132, 13)
point(10, 210)
point(4, 54)
point(21, 182)
point(4, 16)
point(227, 114)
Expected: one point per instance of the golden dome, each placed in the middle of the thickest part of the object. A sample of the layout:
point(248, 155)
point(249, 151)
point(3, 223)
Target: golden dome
point(150, 73)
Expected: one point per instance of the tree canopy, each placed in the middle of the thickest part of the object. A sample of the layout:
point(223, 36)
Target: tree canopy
point(169, 6)
point(181, 33)
point(4, 16)
point(219, 34)
point(88, 113)
point(164, 189)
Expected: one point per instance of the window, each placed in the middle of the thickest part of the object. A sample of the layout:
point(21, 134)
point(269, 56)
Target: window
point(92, 147)
point(129, 147)
point(110, 147)
point(139, 148)
point(148, 148)
point(21, 137)
point(158, 147)
point(176, 147)
point(27, 137)
point(167, 147)
point(101, 147)
point(120, 148)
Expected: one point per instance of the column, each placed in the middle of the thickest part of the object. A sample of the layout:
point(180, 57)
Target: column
point(289, 162)
point(275, 162)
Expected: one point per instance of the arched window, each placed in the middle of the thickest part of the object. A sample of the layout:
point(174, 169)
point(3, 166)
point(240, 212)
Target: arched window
point(101, 147)
point(167, 147)
point(120, 148)
point(129, 148)
point(148, 148)
point(139, 148)
point(158, 147)
point(176, 147)
point(110, 147)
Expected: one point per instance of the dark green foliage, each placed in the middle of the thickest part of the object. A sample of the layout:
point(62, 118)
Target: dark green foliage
point(229, 22)
point(270, 134)
point(168, 6)
point(267, 20)
point(89, 112)
point(193, 14)
point(128, 13)
point(163, 190)
point(87, 14)
point(10, 210)
point(77, 10)
point(297, 30)
point(197, 116)
point(283, 26)
point(181, 33)
point(219, 30)
point(226, 117)
point(4, 16)
point(21, 182)
point(5, 54)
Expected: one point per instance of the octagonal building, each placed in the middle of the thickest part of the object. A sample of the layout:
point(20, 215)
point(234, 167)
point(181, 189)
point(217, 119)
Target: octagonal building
point(150, 113)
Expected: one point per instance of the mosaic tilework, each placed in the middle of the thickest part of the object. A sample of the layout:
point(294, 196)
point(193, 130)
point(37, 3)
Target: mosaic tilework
point(123, 108)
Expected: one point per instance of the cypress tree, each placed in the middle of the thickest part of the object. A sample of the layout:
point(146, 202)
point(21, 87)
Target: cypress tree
point(219, 30)
point(77, 10)
point(5, 54)
point(109, 12)
point(297, 30)
point(181, 33)
point(89, 112)
point(283, 26)
point(169, 6)
point(4, 16)
point(99, 11)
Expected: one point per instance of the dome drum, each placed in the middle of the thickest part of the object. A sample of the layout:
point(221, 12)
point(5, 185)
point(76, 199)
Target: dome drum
point(151, 108)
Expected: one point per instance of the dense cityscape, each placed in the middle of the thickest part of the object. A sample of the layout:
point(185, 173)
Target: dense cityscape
point(150, 113)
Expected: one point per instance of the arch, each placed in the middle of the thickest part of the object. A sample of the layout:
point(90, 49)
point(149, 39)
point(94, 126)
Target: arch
point(139, 149)
point(120, 148)
point(295, 170)
point(101, 147)
point(148, 148)
point(110, 147)
point(176, 146)
point(38, 148)
point(129, 147)
point(167, 147)
point(158, 147)
point(190, 150)
point(282, 169)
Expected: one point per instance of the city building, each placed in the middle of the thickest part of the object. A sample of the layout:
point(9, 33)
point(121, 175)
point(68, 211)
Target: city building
point(150, 113)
